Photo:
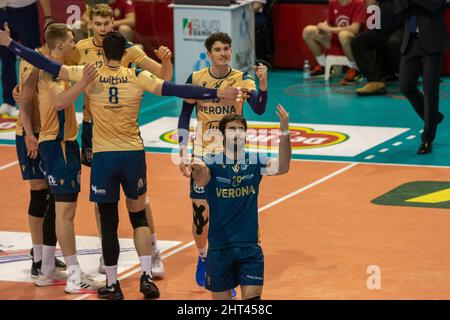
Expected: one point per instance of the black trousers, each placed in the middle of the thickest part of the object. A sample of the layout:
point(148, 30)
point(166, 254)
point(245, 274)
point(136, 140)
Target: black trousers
point(24, 25)
point(377, 53)
point(416, 62)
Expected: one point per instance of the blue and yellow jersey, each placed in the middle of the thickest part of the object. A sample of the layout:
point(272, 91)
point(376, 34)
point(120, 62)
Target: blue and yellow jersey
point(232, 195)
point(25, 69)
point(55, 125)
point(88, 52)
point(115, 98)
point(210, 112)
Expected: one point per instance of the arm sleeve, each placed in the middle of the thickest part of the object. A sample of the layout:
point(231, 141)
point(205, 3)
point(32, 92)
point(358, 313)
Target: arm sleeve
point(35, 58)
point(258, 101)
point(183, 123)
point(188, 91)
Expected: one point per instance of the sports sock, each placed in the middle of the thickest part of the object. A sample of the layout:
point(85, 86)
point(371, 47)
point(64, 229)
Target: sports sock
point(37, 252)
point(71, 260)
point(111, 274)
point(146, 264)
point(48, 260)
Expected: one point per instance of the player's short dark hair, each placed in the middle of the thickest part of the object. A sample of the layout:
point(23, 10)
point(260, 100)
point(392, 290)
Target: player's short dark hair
point(218, 36)
point(230, 118)
point(114, 45)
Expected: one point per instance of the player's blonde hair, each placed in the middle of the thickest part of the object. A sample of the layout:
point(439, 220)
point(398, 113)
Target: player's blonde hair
point(54, 33)
point(102, 10)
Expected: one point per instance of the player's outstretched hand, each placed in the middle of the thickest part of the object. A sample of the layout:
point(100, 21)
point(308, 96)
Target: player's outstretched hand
point(284, 117)
point(31, 144)
point(163, 53)
point(90, 72)
point(261, 72)
point(5, 35)
point(16, 94)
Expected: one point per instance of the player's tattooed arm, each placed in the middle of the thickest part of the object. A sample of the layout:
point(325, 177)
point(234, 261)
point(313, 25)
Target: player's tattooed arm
point(200, 172)
point(281, 165)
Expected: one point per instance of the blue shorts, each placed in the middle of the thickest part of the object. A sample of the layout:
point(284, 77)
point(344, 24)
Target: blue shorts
point(197, 192)
point(115, 168)
point(61, 165)
point(31, 168)
point(229, 267)
point(86, 144)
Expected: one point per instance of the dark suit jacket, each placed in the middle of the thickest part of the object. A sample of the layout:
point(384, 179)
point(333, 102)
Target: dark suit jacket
point(430, 18)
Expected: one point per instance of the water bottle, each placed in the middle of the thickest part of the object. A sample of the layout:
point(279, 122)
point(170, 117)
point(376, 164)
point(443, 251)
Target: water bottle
point(306, 70)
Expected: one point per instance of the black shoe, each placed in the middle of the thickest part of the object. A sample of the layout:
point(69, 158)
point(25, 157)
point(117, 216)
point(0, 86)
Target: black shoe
point(148, 288)
point(58, 263)
point(35, 268)
point(425, 147)
point(113, 292)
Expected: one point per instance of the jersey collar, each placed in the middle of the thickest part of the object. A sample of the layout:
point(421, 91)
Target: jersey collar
point(209, 71)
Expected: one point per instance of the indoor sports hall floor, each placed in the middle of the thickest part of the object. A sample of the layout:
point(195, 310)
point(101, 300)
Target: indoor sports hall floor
point(359, 216)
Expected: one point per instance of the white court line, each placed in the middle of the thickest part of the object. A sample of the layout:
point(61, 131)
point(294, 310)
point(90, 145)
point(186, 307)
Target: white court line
point(136, 270)
point(309, 186)
point(286, 197)
point(6, 166)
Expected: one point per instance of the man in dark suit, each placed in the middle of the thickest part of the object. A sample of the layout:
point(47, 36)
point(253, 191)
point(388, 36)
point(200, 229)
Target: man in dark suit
point(424, 41)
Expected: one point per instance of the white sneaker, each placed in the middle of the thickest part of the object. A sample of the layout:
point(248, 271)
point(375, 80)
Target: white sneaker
point(79, 282)
point(54, 279)
point(14, 111)
point(157, 265)
point(101, 266)
point(5, 108)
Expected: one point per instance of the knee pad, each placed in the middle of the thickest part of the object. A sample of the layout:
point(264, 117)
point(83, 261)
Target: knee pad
point(66, 197)
point(138, 219)
point(254, 298)
point(39, 200)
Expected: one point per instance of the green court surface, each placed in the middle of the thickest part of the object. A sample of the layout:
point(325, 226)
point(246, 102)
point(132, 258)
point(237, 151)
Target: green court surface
point(329, 122)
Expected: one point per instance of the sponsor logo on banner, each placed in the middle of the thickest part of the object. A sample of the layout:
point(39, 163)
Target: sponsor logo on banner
point(7, 123)
point(268, 137)
point(200, 27)
point(307, 138)
point(202, 62)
